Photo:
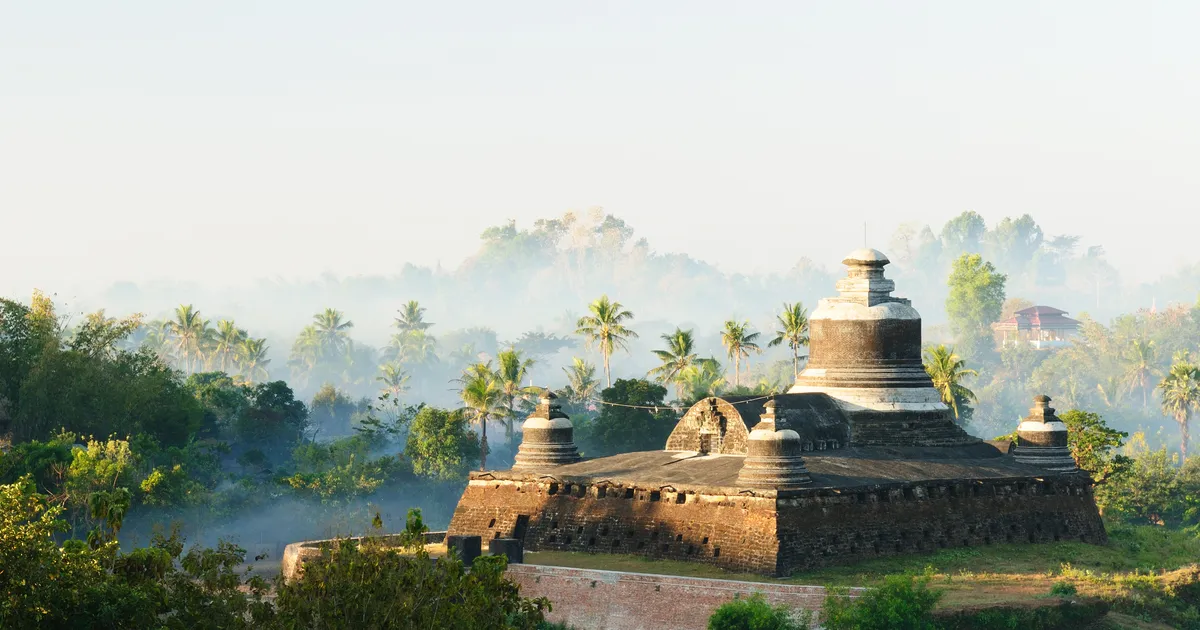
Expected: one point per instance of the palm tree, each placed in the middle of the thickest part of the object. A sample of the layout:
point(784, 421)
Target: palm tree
point(739, 342)
point(251, 358)
point(482, 394)
point(704, 377)
point(226, 341)
point(333, 335)
point(947, 371)
point(511, 371)
point(394, 379)
point(412, 317)
point(1180, 392)
point(581, 381)
point(189, 330)
point(605, 328)
point(306, 351)
point(793, 328)
point(679, 356)
point(1140, 365)
point(413, 347)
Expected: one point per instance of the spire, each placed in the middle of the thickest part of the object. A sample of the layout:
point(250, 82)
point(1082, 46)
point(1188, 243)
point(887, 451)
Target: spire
point(864, 282)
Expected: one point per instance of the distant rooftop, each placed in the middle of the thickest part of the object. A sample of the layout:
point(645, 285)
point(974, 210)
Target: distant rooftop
point(1038, 318)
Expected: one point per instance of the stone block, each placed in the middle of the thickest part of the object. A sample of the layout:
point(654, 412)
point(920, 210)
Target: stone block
point(468, 547)
point(510, 547)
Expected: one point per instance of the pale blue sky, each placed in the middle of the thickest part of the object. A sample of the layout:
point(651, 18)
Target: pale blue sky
point(220, 141)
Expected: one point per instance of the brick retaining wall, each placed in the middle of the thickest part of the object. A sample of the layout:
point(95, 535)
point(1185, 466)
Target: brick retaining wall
point(615, 600)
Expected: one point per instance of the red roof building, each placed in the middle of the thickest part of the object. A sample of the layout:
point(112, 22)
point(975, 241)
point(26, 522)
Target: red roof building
point(1039, 326)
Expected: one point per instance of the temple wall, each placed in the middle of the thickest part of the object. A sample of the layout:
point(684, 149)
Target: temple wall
point(816, 528)
point(734, 532)
point(850, 526)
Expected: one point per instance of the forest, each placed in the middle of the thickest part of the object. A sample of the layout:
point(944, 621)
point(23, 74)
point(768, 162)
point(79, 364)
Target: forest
point(218, 422)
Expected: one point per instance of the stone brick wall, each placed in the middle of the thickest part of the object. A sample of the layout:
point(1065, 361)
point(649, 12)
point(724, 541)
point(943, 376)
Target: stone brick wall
point(614, 600)
point(858, 524)
point(848, 342)
point(775, 536)
point(735, 532)
point(686, 435)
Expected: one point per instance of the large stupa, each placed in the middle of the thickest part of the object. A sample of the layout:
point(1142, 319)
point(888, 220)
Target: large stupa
point(859, 459)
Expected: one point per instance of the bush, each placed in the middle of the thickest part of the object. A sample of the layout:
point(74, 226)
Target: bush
point(901, 603)
point(1063, 589)
point(754, 613)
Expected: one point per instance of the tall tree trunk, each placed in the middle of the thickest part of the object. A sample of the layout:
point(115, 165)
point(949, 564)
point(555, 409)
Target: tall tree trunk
point(1183, 434)
point(795, 362)
point(737, 369)
point(607, 377)
point(508, 424)
point(483, 443)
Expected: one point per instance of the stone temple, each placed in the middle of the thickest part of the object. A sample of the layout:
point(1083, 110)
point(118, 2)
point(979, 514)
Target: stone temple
point(859, 459)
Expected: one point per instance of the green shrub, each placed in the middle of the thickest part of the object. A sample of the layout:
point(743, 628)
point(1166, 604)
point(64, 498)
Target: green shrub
point(1063, 589)
point(754, 613)
point(1065, 615)
point(903, 602)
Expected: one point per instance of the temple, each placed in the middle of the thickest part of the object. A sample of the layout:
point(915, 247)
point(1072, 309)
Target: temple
point(859, 459)
point(1039, 326)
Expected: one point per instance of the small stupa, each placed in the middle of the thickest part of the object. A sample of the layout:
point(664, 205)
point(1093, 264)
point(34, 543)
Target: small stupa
point(547, 437)
point(773, 454)
point(1042, 439)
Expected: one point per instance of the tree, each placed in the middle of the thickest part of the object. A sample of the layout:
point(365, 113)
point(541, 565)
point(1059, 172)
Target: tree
point(226, 341)
point(412, 318)
point(739, 342)
point(679, 356)
point(605, 328)
point(190, 332)
point(394, 379)
point(947, 370)
point(703, 378)
point(635, 418)
point(481, 393)
point(333, 336)
point(273, 414)
point(964, 234)
point(1141, 363)
point(793, 328)
point(441, 444)
point(974, 303)
point(511, 370)
point(1093, 445)
point(251, 358)
point(581, 382)
point(1180, 392)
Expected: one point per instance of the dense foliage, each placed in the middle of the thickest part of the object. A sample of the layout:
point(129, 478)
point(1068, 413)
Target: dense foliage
point(755, 613)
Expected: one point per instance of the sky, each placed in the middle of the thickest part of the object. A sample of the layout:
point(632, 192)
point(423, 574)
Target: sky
point(220, 142)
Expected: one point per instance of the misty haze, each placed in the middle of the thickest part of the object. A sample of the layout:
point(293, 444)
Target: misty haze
point(303, 273)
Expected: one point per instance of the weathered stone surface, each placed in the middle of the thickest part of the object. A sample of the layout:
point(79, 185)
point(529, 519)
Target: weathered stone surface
point(865, 353)
point(547, 437)
point(467, 547)
point(1042, 439)
point(775, 535)
point(511, 548)
point(773, 457)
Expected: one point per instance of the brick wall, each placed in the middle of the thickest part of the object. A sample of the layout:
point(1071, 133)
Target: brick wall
point(773, 536)
point(615, 600)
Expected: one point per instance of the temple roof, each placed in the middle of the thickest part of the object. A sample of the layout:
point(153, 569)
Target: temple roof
point(1038, 318)
point(840, 468)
